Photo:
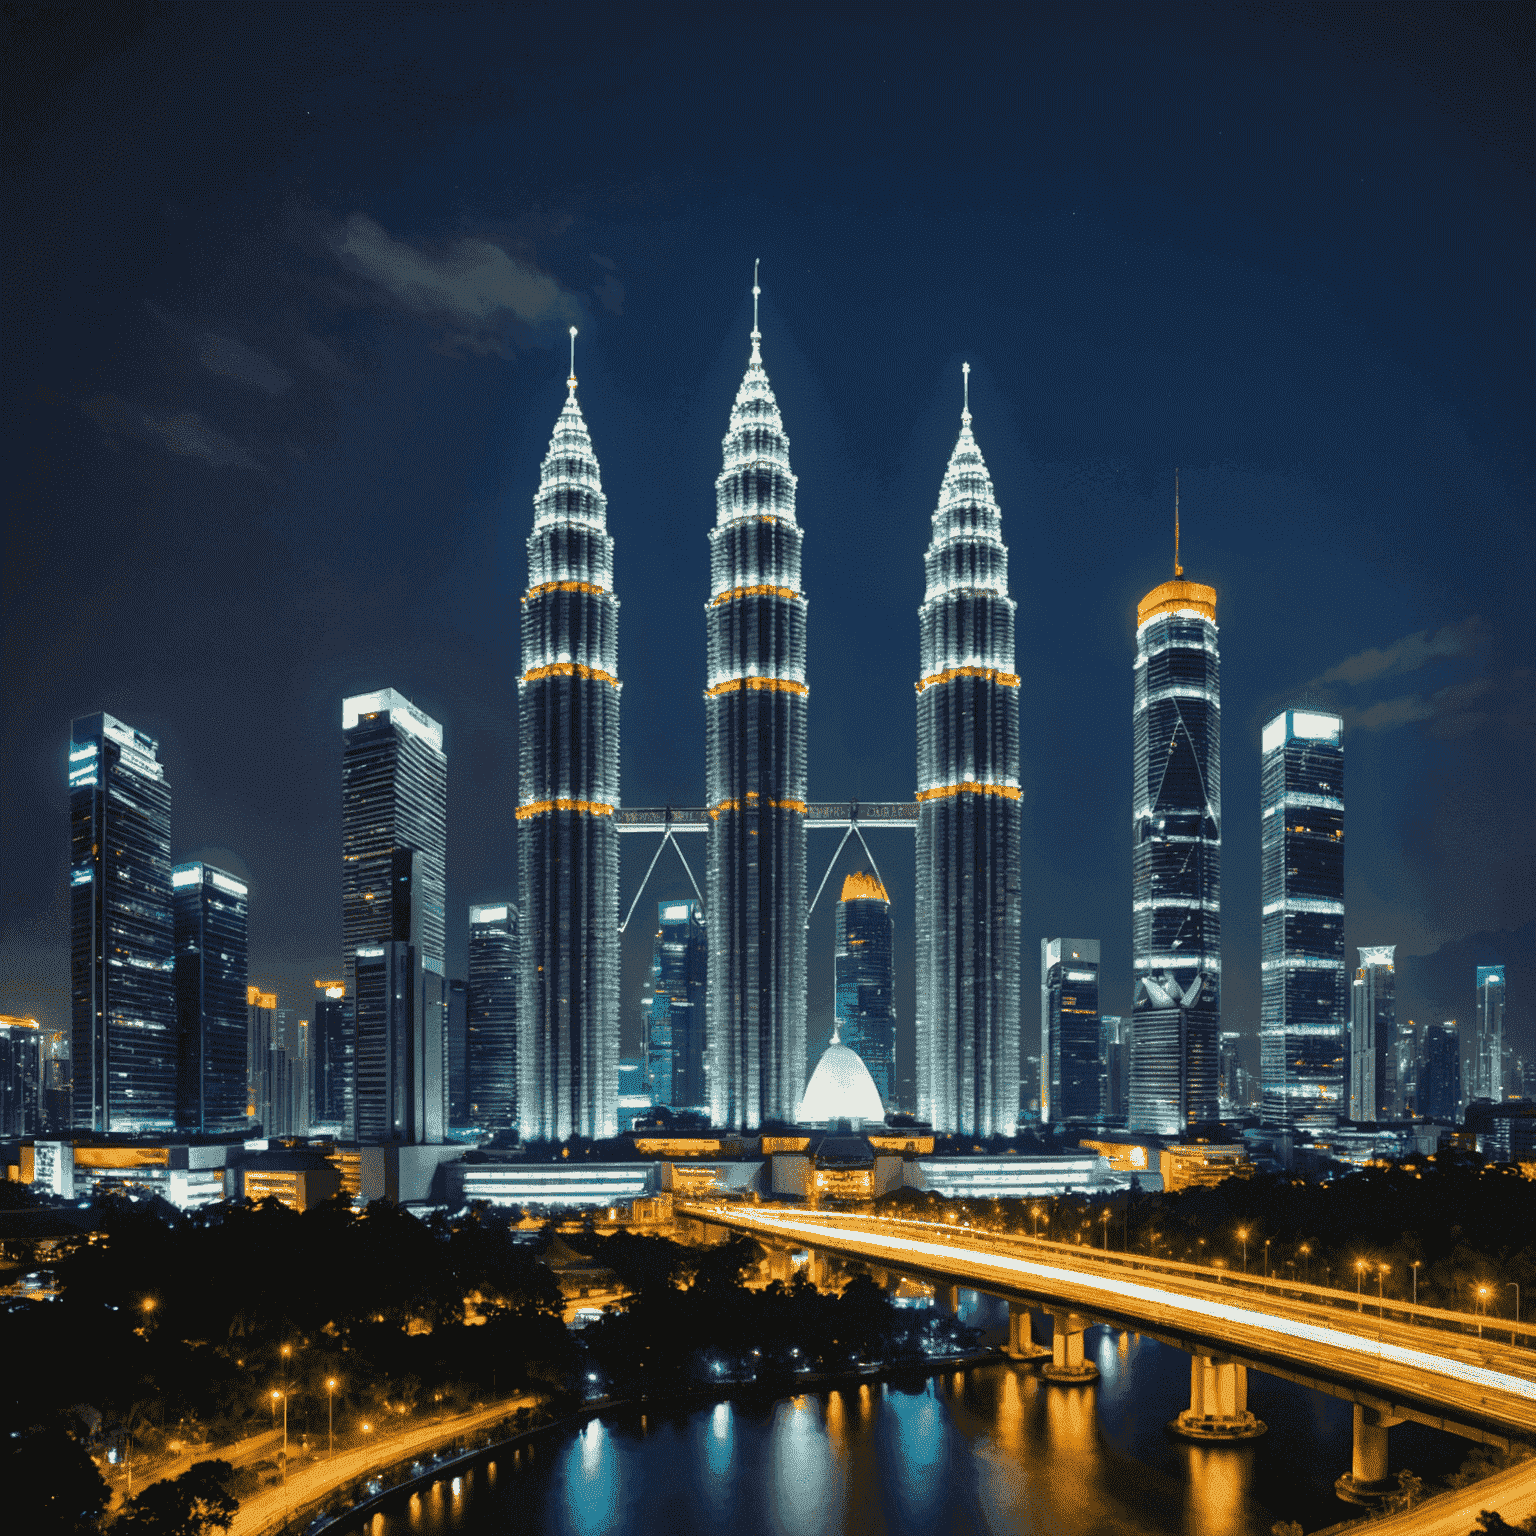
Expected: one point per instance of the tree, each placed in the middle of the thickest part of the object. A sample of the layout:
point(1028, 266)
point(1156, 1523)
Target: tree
point(1410, 1488)
point(52, 1487)
point(1286, 1528)
point(197, 1503)
point(1491, 1523)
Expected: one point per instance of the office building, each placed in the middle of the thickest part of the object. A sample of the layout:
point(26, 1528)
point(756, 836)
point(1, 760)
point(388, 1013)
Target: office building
point(568, 845)
point(394, 800)
point(755, 705)
point(1440, 1072)
point(330, 1057)
point(21, 1057)
point(1114, 1068)
point(54, 1087)
point(1229, 1058)
point(634, 1099)
point(122, 941)
point(1070, 1046)
point(456, 1026)
point(1304, 1011)
point(260, 1035)
point(492, 1017)
point(1488, 1039)
point(674, 1021)
point(864, 978)
point(1374, 1088)
point(1408, 1054)
point(970, 821)
point(294, 1105)
point(209, 910)
point(1176, 859)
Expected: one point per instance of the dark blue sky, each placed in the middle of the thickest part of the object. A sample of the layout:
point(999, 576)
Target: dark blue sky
point(286, 292)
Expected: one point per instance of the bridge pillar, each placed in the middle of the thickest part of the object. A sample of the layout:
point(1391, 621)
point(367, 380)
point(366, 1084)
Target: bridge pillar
point(1368, 1480)
point(1067, 1363)
point(1021, 1343)
point(947, 1298)
point(1218, 1403)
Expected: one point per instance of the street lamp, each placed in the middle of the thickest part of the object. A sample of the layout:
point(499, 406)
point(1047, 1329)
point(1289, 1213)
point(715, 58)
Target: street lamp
point(1034, 1211)
point(1415, 1268)
point(1511, 1285)
point(1360, 1268)
point(1482, 1296)
point(1381, 1304)
point(1266, 1258)
point(1105, 1219)
point(330, 1388)
point(1242, 1235)
point(1306, 1269)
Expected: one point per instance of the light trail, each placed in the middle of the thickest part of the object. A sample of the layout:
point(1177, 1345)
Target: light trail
point(1313, 1333)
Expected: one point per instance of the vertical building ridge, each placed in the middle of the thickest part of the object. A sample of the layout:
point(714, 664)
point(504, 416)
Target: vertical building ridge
point(568, 849)
point(970, 822)
point(755, 707)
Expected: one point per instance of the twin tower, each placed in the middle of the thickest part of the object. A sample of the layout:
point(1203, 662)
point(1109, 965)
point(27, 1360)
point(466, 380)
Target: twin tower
point(756, 713)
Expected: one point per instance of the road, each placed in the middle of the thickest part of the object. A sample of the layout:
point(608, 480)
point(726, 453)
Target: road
point(1479, 1382)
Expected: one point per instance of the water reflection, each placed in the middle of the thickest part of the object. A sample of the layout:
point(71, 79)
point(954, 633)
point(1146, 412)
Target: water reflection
point(919, 1447)
point(591, 1478)
point(718, 1455)
point(1217, 1490)
point(807, 1479)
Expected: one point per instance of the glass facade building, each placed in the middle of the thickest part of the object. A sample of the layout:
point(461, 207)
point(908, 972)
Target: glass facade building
point(755, 710)
point(674, 1016)
point(492, 1017)
point(1114, 1068)
point(21, 1059)
point(1071, 1060)
point(394, 801)
point(402, 1050)
point(1440, 1073)
point(1374, 1090)
point(970, 817)
point(331, 1055)
point(456, 1023)
point(1488, 1042)
point(209, 909)
point(568, 846)
point(1176, 860)
point(122, 938)
point(1303, 1062)
point(864, 976)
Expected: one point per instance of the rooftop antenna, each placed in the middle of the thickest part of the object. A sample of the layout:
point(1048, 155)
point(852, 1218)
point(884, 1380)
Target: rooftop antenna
point(1178, 570)
point(757, 335)
point(965, 385)
point(571, 382)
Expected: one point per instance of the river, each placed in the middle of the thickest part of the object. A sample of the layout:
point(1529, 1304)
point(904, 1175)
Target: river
point(990, 1449)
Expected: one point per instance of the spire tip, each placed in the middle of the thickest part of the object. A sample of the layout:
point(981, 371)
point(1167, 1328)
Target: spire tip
point(571, 382)
point(1178, 570)
point(965, 385)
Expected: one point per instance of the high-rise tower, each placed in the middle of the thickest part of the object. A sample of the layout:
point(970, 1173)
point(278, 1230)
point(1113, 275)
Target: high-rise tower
point(568, 846)
point(1176, 859)
point(864, 974)
point(1374, 1090)
point(755, 704)
point(1488, 1036)
point(210, 911)
point(492, 1016)
point(1303, 1066)
point(122, 944)
point(1071, 1042)
point(674, 1018)
point(970, 820)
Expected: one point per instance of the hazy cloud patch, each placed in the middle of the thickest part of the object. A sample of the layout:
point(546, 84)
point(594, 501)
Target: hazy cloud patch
point(1409, 654)
point(1449, 708)
point(232, 359)
point(184, 433)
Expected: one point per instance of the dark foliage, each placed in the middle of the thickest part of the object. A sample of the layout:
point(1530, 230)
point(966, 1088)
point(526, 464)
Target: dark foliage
point(197, 1503)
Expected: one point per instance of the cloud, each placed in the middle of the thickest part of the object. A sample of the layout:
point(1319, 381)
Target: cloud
point(1408, 654)
point(1449, 708)
point(232, 359)
point(185, 433)
point(474, 284)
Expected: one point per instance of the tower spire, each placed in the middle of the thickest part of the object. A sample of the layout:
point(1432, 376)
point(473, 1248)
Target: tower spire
point(1178, 570)
point(570, 383)
point(965, 385)
point(757, 335)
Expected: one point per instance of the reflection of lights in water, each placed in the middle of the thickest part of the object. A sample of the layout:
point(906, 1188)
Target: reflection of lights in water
point(1217, 1488)
point(805, 1476)
point(591, 1480)
point(1123, 1345)
point(837, 1420)
point(719, 1450)
point(458, 1488)
point(920, 1443)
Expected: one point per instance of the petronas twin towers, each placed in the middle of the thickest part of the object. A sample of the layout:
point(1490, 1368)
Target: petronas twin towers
point(756, 709)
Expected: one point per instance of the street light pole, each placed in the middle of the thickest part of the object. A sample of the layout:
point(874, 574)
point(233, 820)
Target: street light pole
point(330, 1388)
point(1514, 1286)
point(1242, 1236)
point(1359, 1281)
point(1415, 1268)
point(1381, 1304)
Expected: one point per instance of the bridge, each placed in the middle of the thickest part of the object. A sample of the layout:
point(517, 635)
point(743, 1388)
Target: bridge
point(1392, 1361)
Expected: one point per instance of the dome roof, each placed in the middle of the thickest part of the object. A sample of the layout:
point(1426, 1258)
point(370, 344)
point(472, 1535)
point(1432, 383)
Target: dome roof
point(840, 1089)
point(860, 886)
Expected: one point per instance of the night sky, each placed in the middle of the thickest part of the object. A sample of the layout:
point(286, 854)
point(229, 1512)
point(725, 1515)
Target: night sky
point(286, 291)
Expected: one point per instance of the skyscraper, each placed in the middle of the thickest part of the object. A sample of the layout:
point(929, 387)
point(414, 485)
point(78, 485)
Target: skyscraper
point(1303, 1061)
point(1408, 1057)
point(755, 704)
point(402, 1055)
point(331, 1053)
point(1229, 1055)
point(1488, 1042)
point(864, 977)
point(1070, 1059)
point(394, 801)
point(21, 1059)
point(492, 1017)
point(1176, 859)
point(122, 944)
point(1373, 1057)
point(1114, 1067)
point(209, 908)
point(675, 1019)
point(568, 846)
point(456, 1025)
point(970, 823)
point(260, 1034)
point(1440, 1073)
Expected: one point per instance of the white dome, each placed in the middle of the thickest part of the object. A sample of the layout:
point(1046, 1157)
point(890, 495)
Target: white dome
point(840, 1089)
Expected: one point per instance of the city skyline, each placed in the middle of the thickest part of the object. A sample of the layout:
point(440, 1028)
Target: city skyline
point(1371, 405)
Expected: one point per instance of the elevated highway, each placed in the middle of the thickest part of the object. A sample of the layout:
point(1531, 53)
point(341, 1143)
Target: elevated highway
point(1394, 1365)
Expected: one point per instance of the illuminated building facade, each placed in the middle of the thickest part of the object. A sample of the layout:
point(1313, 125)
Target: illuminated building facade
point(1176, 860)
point(122, 939)
point(21, 1056)
point(260, 1032)
point(394, 804)
point(492, 1016)
point(1071, 1058)
point(675, 1018)
point(456, 1029)
point(1440, 1073)
point(331, 1054)
point(1303, 1065)
point(1488, 1041)
point(1114, 1068)
point(568, 846)
point(1374, 1090)
point(209, 910)
point(755, 708)
point(969, 828)
point(864, 974)
point(1229, 1057)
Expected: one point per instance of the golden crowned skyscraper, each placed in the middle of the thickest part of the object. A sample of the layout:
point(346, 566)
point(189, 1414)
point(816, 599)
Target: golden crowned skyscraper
point(568, 846)
point(755, 769)
point(970, 819)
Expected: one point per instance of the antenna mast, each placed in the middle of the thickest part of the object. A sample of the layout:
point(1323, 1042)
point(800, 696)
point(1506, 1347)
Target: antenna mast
point(571, 382)
point(1178, 570)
